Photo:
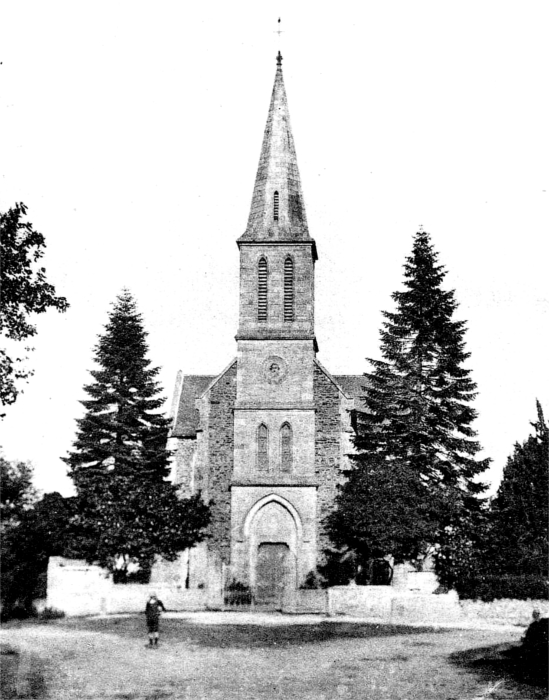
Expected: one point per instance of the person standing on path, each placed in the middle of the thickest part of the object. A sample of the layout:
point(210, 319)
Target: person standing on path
point(152, 611)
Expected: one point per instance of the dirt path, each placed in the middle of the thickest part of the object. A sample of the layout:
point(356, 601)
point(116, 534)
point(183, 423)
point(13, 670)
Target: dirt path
point(107, 658)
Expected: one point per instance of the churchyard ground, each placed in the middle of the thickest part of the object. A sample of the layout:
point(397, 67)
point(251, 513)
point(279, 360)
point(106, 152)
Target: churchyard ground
point(209, 656)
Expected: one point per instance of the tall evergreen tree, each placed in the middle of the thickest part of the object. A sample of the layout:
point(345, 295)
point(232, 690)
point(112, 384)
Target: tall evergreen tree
point(519, 513)
point(507, 554)
point(127, 511)
point(415, 470)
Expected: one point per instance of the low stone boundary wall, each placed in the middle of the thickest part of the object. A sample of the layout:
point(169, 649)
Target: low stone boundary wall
point(78, 588)
point(131, 598)
point(373, 602)
point(389, 605)
point(386, 604)
point(504, 612)
point(307, 601)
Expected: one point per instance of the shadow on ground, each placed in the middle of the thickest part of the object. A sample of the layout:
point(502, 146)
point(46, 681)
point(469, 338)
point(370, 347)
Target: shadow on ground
point(247, 636)
point(504, 663)
point(21, 675)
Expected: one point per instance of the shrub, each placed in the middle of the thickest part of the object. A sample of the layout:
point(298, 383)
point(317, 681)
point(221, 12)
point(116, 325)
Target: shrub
point(142, 575)
point(495, 587)
point(313, 581)
point(51, 614)
point(339, 567)
point(16, 611)
point(237, 593)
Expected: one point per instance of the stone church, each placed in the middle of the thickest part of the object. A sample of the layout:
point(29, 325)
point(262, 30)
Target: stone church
point(267, 438)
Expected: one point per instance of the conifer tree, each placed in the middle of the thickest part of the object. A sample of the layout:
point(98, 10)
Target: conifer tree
point(414, 474)
point(507, 554)
point(127, 511)
point(519, 513)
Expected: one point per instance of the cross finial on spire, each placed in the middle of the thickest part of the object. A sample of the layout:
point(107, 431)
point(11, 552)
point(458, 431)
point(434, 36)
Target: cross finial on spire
point(279, 59)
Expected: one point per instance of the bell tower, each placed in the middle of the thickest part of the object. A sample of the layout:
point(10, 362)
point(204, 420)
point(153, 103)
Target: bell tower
point(277, 255)
point(273, 491)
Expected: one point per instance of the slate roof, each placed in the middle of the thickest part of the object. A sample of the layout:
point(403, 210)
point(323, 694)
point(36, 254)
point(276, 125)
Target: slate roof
point(187, 417)
point(353, 386)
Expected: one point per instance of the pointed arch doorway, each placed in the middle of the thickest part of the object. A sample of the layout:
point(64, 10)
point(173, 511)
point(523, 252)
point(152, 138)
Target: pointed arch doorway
point(273, 542)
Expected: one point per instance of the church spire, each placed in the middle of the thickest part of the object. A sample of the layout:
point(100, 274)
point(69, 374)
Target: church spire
point(278, 210)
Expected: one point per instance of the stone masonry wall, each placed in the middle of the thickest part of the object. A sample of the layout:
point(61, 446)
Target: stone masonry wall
point(182, 464)
point(220, 462)
point(327, 449)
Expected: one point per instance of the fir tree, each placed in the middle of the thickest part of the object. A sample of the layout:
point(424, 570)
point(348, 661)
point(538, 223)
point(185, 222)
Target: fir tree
point(415, 470)
point(506, 554)
point(519, 513)
point(127, 511)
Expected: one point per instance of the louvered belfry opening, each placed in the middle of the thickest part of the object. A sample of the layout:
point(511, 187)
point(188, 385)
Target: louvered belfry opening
point(288, 289)
point(262, 448)
point(286, 448)
point(262, 290)
point(275, 207)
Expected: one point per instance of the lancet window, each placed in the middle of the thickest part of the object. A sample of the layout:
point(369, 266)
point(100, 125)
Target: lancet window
point(263, 448)
point(275, 206)
point(262, 290)
point(288, 289)
point(286, 448)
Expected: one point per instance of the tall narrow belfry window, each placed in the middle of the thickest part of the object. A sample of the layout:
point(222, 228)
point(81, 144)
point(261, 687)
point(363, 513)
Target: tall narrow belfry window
point(288, 289)
point(262, 290)
point(275, 207)
point(286, 457)
point(263, 448)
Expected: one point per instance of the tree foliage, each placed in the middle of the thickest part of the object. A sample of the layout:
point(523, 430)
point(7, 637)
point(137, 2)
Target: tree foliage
point(519, 513)
point(126, 510)
point(17, 493)
point(414, 475)
point(507, 554)
point(42, 531)
point(33, 529)
point(25, 291)
point(383, 508)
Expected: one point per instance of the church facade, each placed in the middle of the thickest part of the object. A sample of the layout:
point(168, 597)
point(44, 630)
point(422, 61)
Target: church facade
point(267, 438)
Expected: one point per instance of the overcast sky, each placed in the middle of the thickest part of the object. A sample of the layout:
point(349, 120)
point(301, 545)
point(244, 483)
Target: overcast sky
point(132, 132)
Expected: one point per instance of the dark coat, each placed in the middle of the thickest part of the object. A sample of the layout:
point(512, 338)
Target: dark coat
point(152, 611)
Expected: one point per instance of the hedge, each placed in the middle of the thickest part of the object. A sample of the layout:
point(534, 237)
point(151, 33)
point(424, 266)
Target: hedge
point(495, 587)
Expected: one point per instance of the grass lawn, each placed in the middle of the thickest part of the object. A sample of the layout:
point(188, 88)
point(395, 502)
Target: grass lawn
point(107, 658)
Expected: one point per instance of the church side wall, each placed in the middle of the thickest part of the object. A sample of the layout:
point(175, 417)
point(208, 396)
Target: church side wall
point(221, 456)
point(327, 449)
point(182, 465)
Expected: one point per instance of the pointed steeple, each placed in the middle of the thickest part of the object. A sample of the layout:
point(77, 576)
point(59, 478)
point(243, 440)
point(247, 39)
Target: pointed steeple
point(278, 210)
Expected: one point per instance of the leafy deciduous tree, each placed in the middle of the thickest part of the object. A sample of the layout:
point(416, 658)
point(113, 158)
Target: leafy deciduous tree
point(25, 291)
point(42, 531)
point(17, 493)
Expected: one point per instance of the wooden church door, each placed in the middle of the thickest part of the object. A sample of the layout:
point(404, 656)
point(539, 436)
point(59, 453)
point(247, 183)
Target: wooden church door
point(272, 571)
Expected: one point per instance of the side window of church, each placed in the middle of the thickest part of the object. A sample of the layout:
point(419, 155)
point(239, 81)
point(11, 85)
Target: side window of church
point(262, 290)
point(262, 448)
point(286, 448)
point(288, 289)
